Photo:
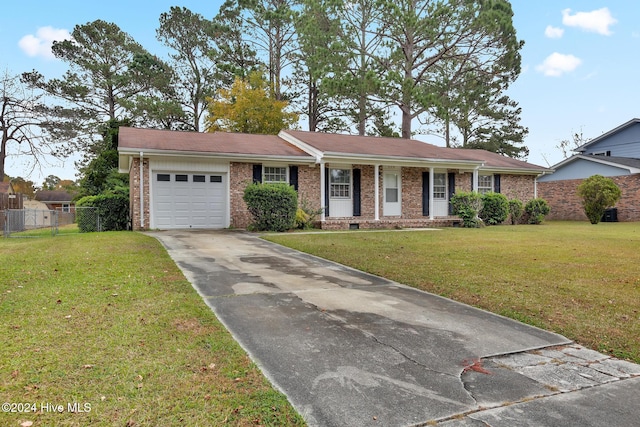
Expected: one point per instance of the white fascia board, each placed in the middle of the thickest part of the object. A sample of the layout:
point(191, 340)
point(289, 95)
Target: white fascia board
point(312, 151)
point(330, 157)
point(222, 156)
point(603, 160)
point(517, 171)
point(583, 147)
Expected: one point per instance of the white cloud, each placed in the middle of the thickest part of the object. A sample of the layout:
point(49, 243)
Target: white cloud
point(558, 64)
point(553, 32)
point(40, 44)
point(597, 21)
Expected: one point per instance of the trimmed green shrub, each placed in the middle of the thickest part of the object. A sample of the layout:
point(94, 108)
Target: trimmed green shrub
point(598, 193)
point(272, 206)
point(111, 213)
point(516, 209)
point(495, 208)
point(536, 210)
point(467, 205)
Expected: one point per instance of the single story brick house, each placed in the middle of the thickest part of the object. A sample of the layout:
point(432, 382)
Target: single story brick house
point(197, 180)
point(56, 200)
point(614, 154)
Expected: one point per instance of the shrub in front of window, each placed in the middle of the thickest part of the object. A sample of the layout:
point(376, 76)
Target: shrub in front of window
point(598, 193)
point(495, 208)
point(110, 213)
point(536, 210)
point(467, 205)
point(272, 206)
point(516, 209)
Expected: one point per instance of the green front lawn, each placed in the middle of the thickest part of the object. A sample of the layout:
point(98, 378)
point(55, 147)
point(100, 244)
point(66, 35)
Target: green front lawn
point(574, 278)
point(106, 322)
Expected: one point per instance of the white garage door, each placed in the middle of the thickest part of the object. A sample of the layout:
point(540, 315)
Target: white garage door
point(189, 200)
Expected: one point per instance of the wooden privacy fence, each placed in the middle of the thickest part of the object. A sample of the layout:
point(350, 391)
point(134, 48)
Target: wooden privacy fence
point(11, 201)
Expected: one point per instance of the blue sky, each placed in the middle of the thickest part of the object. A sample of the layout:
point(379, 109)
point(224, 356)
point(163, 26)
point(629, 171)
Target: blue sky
point(581, 61)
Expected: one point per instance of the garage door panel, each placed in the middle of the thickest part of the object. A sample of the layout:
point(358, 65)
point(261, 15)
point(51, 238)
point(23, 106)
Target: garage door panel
point(189, 203)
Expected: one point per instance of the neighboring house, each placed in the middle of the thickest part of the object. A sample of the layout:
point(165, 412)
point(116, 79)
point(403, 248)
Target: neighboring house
point(615, 154)
point(56, 200)
point(6, 188)
point(197, 180)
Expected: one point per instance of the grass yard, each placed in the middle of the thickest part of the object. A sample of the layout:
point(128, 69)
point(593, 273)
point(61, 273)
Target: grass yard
point(574, 278)
point(106, 325)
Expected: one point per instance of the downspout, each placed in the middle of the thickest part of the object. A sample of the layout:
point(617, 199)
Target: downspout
point(376, 191)
point(431, 177)
point(322, 192)
point(535, 185)
point(141, 190)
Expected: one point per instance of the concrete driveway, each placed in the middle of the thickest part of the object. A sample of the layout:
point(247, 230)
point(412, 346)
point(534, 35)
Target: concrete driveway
point(352, 349)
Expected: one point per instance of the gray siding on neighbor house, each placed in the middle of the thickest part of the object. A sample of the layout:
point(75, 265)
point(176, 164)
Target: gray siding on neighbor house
point(581, 168)
point(624, 143)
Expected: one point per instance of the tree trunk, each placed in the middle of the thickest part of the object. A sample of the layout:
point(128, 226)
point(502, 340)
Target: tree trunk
point(3, 154)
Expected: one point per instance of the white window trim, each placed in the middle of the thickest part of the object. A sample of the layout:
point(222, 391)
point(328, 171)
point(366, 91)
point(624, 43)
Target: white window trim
point(350, 183)
point(445, 185)
point(483, 190)
point(286, 172)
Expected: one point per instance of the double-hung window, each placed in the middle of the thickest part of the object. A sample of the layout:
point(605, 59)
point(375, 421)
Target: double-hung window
point(274, 174)
point(340, 183)
point(439, 186)
point(485, 184)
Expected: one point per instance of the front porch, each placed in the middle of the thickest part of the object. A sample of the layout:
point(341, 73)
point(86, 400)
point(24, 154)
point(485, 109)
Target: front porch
point(390, 223)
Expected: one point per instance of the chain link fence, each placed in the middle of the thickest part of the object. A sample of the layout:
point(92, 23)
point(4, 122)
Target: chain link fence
point(39, 223)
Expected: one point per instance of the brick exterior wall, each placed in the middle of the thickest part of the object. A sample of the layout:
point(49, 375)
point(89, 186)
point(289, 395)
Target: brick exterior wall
point(411, 193)
point(565, 204)
point(521, 187)
point(241, 175)
point(134, 194)
point(309, 186)
point(512, 186)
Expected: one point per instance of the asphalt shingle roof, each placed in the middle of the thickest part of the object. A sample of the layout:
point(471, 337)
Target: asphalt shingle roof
point(132, 139)
point(213, 143)
point(53, 196)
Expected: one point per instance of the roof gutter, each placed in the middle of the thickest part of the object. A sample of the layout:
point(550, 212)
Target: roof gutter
point(380, 159)
point(225, 156)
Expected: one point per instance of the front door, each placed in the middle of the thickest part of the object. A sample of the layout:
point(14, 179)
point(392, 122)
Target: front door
point(392, 192)
point(440, 195)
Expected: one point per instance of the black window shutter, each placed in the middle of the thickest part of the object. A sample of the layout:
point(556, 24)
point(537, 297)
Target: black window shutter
point(326, 191)
point(452, 189)
point(356, 193)
point(471, 181)
point(293, 177)
point(425, 193)
point(496, 183)
point(257, 174)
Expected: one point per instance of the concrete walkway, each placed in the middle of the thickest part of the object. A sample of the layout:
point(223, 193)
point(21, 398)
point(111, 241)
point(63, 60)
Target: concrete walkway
point(352, 349)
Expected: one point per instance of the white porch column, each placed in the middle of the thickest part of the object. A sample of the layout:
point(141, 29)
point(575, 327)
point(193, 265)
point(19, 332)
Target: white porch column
point(376, 191)
point(431, 193)
point(322, 192)
point(475, 180)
